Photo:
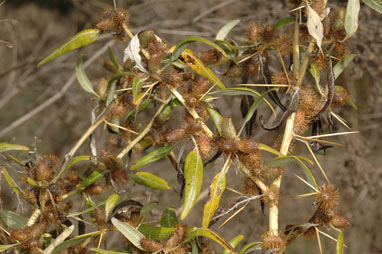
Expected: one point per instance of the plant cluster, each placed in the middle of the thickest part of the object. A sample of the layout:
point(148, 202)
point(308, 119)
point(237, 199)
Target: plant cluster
point(154, 80)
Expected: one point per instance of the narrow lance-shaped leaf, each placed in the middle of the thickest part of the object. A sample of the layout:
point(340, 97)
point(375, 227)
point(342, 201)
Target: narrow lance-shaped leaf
point(133, 235)
point(217, 119)
point(81, 39)
point(351, 18)
point(169, 218)
point(110, 203)
point(73, 241)
point(284, 21)
point(216, 190)
point(205, 232)
point(137, 87)
point(74, 161)
point(101, 251)
point(12, 182)
point(374, 4)
point(248, 246)
point(233, 242)
point(226, 29)
point(8, 246)
point(150, 180)
point(152, 157)
point(197, 65)
point(315, 27)
point(82, 78)
point(12, 219)
point(193, 174)
point(4, 147)
point(341, 65)
point(114, 60)
point(156, 233)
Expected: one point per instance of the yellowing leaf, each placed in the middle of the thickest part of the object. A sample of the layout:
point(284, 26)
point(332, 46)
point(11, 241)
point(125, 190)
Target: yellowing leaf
point(315, 27)
point(197, 65)
point(150, 180)
point(81, 39)
point(193, 174)
point(205, 232)
point(233, 242)
point(4, 147)
point(217, 188)
point(158, 154)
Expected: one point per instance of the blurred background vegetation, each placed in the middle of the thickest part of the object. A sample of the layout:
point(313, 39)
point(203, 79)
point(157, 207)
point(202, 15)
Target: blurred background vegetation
point(29, 30)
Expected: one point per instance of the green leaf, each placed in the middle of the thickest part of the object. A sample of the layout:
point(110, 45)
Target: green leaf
point(12, 182)
point(114, 60)
point(205, 232)
point(5, 247)
point(156, 233)
point(351, 18)
point(253, 109)
point(148, 208)
point(315, 73)
point(137, 87)
point(4, 147)
point(12, 219)
point(217, 188)
point(248, 246)
point(340, 242)
point(110, 203)
point(91, 208)
point(141, 107)
point(133, 235)
point(234, 242)
point(92, 178)
point(73, 241)
point(243, 91)
point(101, 251)
point(150, 180)
point(169, 218)
point(226, 29)
point(82, 78)
point(153, 156)
point(284, 21)
point(217, 118)
point(110, 94)
point(193, 174)
point(81, 39)
point(348, 100)
point(74, 161)
point(341, 65)
point(374, 4)
point(264, 147)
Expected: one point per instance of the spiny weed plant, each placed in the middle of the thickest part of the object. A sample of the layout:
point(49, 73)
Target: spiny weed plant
point(136, 100)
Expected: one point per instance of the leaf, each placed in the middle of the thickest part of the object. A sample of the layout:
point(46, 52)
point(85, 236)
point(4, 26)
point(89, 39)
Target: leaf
point(92, 178)
point(133, 235)
point(205, 232)
point(253, 108)
point(243, 91)
point(13, 220)
point(248, 246)
point(148, 208)
point(82, 78)
point(284, 21)
point(269, 149)
point(282, 160)
point(217, 188)
point(193, 173)
point(12, 182)
point(5, 247)
point(169, 218)
point(81, 39)
point(150, 180)
point(156, 233)
point(216, 118)
point(137, 86)
point(340, 242)
point(110, 203)
point(315, 27)
point(114, 60)
point(74, 161)
point(374, 4)
point(184, 44)
point(101, 251)
point(351, 18)
point(91, 208)
point(341, 65)
point(197, 65)
point(110, 94)
point(315, 73)
point(153, 156)
point(226, 29)
point(228, 129)
point(4, 147)
point(132, 52)
point(234, 242)
point(73, 241)
point(348, 99)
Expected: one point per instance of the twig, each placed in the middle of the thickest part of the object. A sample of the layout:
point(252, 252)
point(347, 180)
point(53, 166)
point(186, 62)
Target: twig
point(65, 234)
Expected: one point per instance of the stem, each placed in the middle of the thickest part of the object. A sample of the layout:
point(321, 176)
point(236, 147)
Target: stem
point(296, 49)
point(304, 65)
point(144, 132)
